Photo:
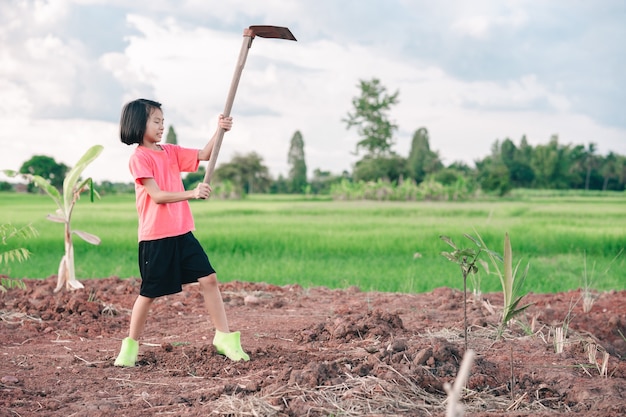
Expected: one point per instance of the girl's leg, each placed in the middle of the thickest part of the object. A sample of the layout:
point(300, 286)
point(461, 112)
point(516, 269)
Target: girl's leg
point(213, 302)
point(130, 347)
point(225, 342)
point(139, 316)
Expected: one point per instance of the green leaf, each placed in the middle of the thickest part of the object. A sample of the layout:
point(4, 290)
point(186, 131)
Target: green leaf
point(470, 253)
point(88, 183)
point(72, 177)
point(47, 187)
point(508, 271)
point(14, 255)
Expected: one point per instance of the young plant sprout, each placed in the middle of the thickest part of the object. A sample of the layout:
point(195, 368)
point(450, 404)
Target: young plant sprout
point(466, 259)
point(9, 231)
point(73, 186)
point(511, 282)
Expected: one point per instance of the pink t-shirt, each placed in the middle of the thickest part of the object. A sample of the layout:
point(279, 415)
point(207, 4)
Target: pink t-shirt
point(157, 221)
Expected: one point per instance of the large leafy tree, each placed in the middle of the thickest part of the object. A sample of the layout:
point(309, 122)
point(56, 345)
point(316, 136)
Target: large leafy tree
point(551, 165)
point(297, 164)
point(392, 168)
point(47, 168)
point(493, 175)
point(246, 171)
point(371, 118)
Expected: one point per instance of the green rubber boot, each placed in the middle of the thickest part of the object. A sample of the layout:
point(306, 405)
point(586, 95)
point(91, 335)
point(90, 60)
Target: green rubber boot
point(128, 353)
point(229, 345)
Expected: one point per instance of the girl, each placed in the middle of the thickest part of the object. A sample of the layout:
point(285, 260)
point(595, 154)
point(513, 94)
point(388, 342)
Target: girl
point(169, 254)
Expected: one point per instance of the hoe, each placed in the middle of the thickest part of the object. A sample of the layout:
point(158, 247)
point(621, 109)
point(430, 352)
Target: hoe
point(274, 32)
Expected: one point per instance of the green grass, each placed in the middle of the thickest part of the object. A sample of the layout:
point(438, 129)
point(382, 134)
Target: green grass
point(289, 240)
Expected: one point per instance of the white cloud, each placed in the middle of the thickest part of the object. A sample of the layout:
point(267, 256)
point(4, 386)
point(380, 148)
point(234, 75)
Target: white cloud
point(481, 27)
point(66, 141)
point(53, 83)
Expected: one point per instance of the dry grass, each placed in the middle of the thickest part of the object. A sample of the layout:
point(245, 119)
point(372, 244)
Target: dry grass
point(365, 396)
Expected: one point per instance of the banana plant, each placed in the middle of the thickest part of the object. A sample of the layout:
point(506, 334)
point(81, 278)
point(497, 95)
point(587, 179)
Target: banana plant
point(73, 186)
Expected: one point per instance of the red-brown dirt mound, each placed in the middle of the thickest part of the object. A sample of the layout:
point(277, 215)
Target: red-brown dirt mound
point(315, 352)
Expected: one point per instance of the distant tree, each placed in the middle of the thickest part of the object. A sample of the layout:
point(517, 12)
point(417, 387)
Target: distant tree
point(462, 167)
point(191, 180)
point(522, 174)
point(447, 176)
point(297, 164)
point(280, 186)
point(246, 171)
point(551, 164)
point(370, 117)
point(493, 176)
point(517, 163)
point(171, 136)
point(47, 168)
point(422, 161)
point(392, 167)
point(611, 168)
point(107, 187)
point(621, 172)
point(577, 156)
point(525, 153)
point(591, 161)
point(322, 180)
point(6, 186)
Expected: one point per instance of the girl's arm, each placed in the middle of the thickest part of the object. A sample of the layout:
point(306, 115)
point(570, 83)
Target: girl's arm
point(225, 123)
point(159, 196)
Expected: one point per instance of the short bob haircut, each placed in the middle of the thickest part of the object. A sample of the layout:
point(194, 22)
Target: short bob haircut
point(134, 119)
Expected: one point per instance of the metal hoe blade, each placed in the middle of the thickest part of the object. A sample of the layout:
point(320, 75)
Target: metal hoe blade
point(273, 32)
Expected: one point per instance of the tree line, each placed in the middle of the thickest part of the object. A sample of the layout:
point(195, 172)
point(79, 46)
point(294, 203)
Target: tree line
point(553, 165)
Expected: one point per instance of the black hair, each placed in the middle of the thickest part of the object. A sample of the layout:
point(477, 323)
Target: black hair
point(134, 118)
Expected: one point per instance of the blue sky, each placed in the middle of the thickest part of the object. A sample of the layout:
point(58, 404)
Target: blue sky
point(470, 72)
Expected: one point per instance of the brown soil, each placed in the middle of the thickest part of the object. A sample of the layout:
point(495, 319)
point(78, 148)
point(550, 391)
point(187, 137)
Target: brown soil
point(314, 352)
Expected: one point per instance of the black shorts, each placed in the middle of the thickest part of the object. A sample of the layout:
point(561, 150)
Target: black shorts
point(166, 264)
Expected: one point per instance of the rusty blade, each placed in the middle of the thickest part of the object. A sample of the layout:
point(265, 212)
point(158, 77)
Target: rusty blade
point(275, 32)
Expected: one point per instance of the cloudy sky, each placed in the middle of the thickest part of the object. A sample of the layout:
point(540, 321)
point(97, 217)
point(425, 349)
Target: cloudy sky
point(470, 72)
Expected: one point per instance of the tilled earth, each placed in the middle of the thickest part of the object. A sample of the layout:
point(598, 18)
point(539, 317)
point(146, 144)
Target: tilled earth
point(314, 352)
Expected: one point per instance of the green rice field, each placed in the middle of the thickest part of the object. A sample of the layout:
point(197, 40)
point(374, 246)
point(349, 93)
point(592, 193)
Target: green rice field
point(569, 240)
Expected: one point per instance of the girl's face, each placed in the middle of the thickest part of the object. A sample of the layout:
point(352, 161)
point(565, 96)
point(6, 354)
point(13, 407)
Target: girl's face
point(154, 128)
